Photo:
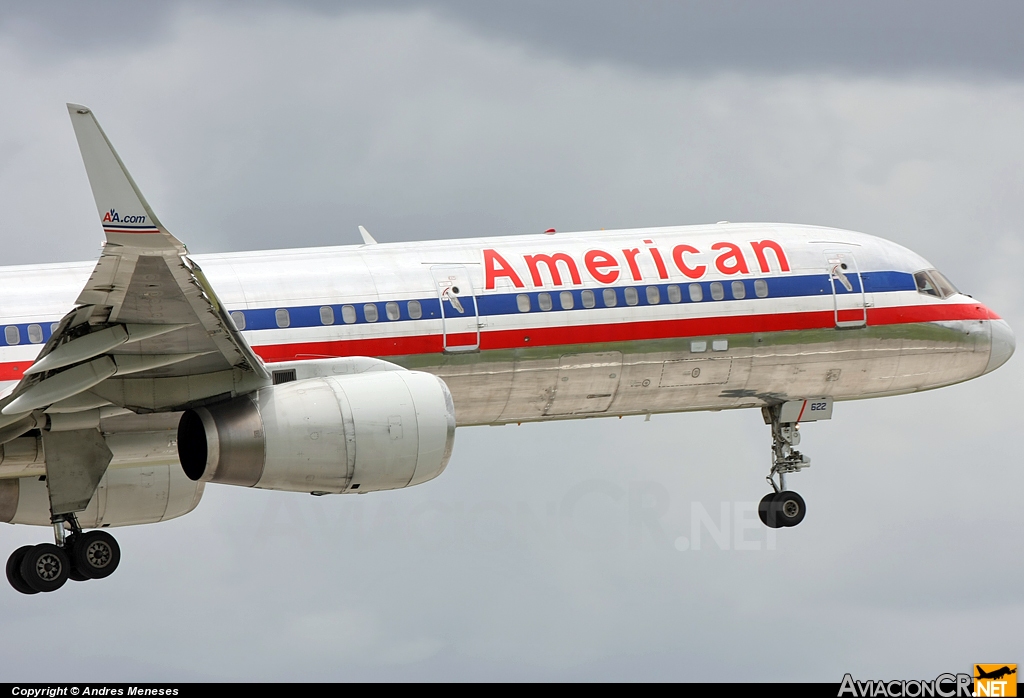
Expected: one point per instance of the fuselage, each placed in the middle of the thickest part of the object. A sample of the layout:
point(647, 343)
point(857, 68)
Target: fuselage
point(544, 327)
point(589, 324)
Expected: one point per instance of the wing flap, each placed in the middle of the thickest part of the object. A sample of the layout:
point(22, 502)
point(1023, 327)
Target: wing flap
point(62, 385)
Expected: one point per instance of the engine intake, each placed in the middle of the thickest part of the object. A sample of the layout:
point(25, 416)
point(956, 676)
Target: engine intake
point(358, 433)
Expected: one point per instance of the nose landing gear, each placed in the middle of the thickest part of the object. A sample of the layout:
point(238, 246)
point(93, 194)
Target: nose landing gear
point(79, 557)
point(782, 508)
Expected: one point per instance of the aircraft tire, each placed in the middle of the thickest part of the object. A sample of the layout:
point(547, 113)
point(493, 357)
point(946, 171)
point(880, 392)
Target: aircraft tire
point(789, 508)
point(14, 571)
point(45, 567)
point(69, 547)
point(765, 506)
point(96, 554)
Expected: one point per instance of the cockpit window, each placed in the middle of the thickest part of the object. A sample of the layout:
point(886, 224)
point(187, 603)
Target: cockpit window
point(931, 282)
point(945, 287)
point(925, 285)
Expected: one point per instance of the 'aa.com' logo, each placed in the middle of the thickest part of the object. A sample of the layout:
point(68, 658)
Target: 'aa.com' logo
point(995, 680)
point(113, 216)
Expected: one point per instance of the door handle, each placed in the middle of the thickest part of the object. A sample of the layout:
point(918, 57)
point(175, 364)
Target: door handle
point(453, 299)
point(837, 273)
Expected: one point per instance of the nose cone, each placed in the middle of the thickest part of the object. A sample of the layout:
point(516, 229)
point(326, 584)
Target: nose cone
point(1003, 344)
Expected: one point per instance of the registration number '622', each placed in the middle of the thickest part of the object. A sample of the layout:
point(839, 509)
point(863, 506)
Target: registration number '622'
point(809, 410)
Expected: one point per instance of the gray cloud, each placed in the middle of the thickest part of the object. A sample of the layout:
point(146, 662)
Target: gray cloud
point(53, 30)
point(793, 36)
point(875, 37)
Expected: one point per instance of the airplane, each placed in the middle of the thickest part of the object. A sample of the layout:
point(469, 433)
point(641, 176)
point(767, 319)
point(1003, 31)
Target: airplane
point(129, 383)
point(995, 674)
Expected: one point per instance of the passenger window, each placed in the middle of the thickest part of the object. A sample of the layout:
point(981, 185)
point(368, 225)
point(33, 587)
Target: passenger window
point(370, 312)
point(631, 296)
point(739, 291)
point(348, 314)
point(610, 299)
point(523, 303)
point(698, 347)
point(566, 299)
point(55, 325)
point(415, 310)
point(925, 285)
point(674, 294)
point(760, 288)
point(544, 301)
point(392, 310)
point(237, 317)
point(12, 335)
point(35, 334)
point(696, 293)
point(720, 345)
point(326, 315)
point(717, 292)
point(588, 299)
point(282, 317)
point(653, 295)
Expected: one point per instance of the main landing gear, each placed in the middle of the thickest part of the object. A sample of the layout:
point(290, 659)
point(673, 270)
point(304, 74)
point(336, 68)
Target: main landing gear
point(78, 556)
point(782, 507)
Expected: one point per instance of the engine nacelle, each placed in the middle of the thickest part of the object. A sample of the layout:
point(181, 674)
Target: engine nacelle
point(357, 433)
point(125, 497)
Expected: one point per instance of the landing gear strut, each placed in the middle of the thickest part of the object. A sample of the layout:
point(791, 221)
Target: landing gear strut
point(781, 507)
point(78, 556)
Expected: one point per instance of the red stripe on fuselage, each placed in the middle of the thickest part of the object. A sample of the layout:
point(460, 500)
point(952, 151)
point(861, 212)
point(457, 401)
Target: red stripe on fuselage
point(901, 315)
point(14, 370)
point(593, 334)
point(621, 332)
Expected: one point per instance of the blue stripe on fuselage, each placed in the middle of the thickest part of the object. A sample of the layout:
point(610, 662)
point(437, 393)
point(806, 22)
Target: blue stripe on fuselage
point(508, 304)
point(493, 304)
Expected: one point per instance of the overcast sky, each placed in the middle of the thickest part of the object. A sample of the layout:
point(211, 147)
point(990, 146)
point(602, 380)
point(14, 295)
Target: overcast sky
point(553, 551)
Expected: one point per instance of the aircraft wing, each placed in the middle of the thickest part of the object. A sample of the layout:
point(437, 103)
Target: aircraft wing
point(147, 332)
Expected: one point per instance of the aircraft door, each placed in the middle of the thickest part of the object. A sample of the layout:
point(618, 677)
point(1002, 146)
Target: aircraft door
point(849, 300)
point(459, 314)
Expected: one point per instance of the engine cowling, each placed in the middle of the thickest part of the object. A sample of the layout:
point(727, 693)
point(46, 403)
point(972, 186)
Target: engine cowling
point(126, 496)
point(357, 433)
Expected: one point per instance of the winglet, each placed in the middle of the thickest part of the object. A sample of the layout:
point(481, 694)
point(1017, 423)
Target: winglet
point(367, 238)
point(127, 219)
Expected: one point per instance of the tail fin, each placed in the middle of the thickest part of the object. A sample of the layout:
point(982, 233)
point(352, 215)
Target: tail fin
point(127, 219)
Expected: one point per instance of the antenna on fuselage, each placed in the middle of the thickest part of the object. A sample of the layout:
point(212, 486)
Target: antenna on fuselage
point(367, 238)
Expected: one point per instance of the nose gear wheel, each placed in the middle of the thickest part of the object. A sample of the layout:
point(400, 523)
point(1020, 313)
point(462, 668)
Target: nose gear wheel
point(782, 508)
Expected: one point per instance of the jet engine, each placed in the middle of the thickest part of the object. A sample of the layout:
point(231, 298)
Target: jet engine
point(357, 433)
